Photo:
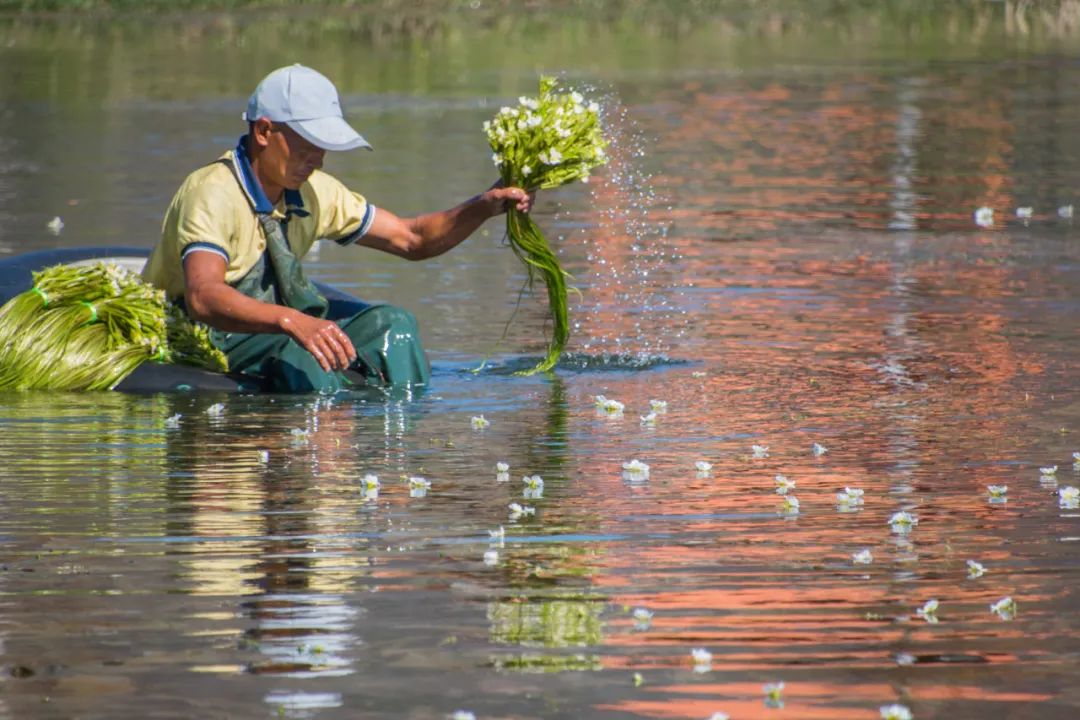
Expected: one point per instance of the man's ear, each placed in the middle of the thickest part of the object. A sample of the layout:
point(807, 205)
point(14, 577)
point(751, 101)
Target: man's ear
point(260, 131)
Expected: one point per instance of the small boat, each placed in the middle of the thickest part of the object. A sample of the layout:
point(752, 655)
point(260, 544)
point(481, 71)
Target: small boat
point(16, 276)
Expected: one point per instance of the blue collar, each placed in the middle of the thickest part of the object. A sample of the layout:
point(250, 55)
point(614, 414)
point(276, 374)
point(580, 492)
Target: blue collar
point(294, 202)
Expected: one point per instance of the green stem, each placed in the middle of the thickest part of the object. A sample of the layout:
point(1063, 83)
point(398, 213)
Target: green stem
point(530, 245)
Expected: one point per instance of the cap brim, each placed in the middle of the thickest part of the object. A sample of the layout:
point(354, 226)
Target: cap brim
point(329, 133)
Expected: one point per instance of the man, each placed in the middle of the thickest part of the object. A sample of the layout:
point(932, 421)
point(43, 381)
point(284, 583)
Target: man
point(233, 235)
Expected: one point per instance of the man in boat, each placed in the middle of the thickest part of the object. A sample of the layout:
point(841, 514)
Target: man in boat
point(234, 234)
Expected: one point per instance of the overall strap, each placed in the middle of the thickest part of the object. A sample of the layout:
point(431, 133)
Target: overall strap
point(293, 286)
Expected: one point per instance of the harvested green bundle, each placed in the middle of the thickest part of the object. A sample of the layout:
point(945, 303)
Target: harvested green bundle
point(543, 143)
point(87, 327)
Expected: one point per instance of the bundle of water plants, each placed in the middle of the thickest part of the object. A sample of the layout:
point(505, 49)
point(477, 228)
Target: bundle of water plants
point(545, 142)
point(87, 327)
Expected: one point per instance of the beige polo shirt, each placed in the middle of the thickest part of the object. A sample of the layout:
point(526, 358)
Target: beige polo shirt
point(214, 211)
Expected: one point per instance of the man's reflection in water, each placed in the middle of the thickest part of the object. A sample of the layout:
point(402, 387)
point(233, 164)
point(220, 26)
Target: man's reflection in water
point(271, 514)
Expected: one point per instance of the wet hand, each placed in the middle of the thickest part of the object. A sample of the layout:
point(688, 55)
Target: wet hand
point(502, 199)
point(326, 342)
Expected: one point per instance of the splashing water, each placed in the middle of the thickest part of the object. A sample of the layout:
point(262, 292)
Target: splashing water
point(633, 311)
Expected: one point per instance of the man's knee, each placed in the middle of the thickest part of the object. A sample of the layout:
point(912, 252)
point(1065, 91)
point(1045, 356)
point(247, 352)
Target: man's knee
point(387, 341)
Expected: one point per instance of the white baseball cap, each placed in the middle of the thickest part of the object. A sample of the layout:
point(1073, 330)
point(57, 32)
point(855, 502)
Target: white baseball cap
point(306, 101)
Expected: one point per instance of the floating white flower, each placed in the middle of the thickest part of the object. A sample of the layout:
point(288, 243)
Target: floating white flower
point(639, 679)
point(698, 374)
point(1069, 497)
point(759, 451)
point(719, 716)
point(1025, 213)
point(895, 712)
point(642, 616)
point(975, 569)
point(609, 406)
point(984, 217)
point(1076, 457)
point(902, 521)
point(418, 487)
point(783, 485)
point(928, 611)
point(1065, 211)
point(658, 406)
point(774, 692)
point(790, 506)
point(264, 456)
point(479, 422)
point(499, 534)
point(847, 501)
point(216, 409)
point(904, 659)
point(703, 466)
point(533, 481)
point(863, 557)
point(462, 715)
point(635, 470)
point(856, 494)
point(491, 557)
point(518, 511)
point(702, 660)
point(1050, 470)
point(502, 477)
point(55, 225)
point(370, 482)
point(501, 467)
point(173, 421)
point(818, 449)
point(648, 420)
point(997, 492)
point(1005, 608)
point(300, 435)
point(534, 487)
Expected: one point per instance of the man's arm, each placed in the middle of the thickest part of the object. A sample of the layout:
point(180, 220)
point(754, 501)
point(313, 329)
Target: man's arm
point(211, 300)
point(433, 234)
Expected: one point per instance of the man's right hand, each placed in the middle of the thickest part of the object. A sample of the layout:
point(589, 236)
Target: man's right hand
point(327, 342)
point(210, 300)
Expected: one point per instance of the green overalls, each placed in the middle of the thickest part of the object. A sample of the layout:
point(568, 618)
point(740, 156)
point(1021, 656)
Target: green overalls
point(386, 337)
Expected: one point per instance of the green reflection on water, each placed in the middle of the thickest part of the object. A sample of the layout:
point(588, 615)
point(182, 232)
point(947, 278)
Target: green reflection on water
point(565, 622)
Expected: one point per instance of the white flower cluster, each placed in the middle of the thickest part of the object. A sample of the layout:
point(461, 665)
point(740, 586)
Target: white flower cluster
point(547, 141)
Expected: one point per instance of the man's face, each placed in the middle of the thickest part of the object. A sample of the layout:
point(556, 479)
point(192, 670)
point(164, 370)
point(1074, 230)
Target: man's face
point(287, 159)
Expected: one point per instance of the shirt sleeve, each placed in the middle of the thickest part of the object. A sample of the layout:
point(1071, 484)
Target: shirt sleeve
point(344, 216)
point(205, 220)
